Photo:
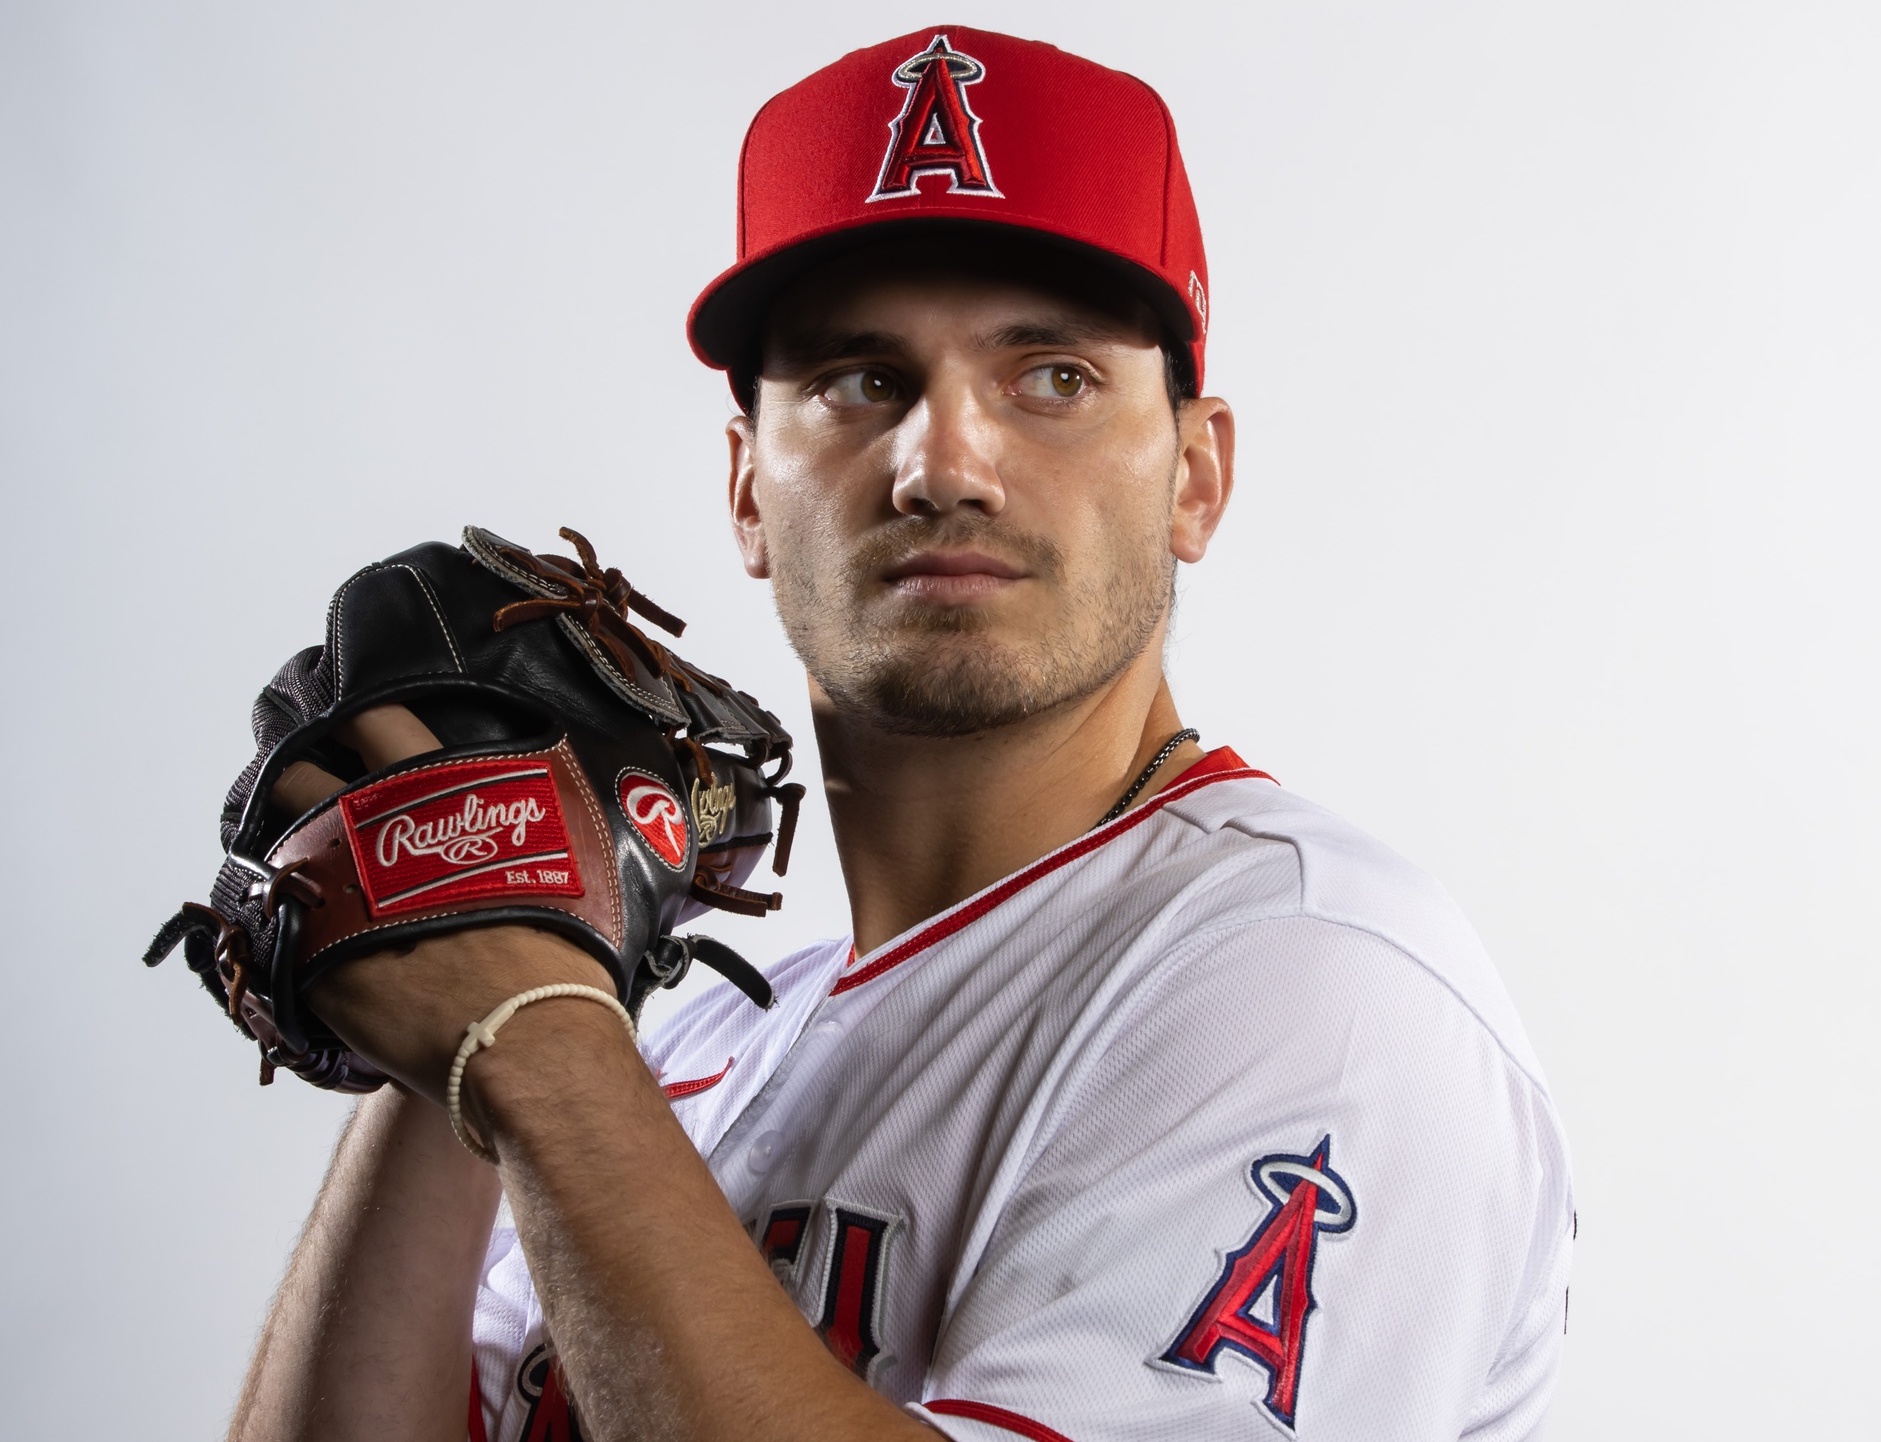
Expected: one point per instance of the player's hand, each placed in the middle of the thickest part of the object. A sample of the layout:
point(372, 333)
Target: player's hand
point(405, 1010)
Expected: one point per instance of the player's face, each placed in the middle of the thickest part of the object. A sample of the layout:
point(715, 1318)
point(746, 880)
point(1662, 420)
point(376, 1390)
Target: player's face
point(963, 490)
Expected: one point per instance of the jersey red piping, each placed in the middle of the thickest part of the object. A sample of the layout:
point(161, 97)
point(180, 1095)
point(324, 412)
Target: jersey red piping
point(1220, 764)
point(998, 1416)
point(675, 1090)
point(478, 1432)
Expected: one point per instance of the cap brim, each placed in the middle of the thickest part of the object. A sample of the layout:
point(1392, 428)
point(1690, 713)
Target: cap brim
point(726, 326)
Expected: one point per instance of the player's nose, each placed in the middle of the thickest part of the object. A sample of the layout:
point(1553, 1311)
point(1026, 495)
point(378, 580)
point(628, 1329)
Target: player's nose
point(947, 454)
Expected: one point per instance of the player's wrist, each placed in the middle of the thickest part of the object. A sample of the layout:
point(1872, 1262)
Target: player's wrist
point(554, 1066)
point(406, 1012)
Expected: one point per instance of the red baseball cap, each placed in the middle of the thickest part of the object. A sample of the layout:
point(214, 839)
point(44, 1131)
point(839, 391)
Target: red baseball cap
point(964, 127)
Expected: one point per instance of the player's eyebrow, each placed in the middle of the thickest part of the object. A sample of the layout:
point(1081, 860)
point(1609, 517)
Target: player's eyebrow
point(811, 347)
point(1061, 332)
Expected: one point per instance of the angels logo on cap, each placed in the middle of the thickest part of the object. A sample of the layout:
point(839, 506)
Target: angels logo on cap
point(1082, 158)
point(937, 132)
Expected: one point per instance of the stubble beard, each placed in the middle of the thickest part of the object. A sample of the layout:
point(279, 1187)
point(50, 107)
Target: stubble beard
point(925, 670)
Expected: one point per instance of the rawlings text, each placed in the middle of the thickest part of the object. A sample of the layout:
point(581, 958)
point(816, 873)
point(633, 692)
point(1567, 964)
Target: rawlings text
point(467, 829)
point(712, 808)
point(462, 838)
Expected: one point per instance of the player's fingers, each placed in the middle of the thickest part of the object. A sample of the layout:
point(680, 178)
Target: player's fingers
point(381, 735)
point(304, 786)
point(384, 734)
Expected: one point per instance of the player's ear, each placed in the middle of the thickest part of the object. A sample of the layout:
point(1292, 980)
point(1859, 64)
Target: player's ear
point(747, 524)
point(1204, 475)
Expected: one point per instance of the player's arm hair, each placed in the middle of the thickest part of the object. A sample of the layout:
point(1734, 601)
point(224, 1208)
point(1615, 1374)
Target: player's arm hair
point(369, 1335)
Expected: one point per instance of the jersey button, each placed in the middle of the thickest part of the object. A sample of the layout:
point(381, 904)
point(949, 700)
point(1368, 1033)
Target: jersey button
point(764, 1151)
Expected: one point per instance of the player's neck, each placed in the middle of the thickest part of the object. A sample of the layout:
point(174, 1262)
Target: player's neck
point(922, 823)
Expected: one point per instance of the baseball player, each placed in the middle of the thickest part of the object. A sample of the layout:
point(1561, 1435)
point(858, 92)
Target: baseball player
point(1144, 1100)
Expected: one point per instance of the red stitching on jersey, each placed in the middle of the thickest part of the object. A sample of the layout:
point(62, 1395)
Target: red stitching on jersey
point(998, 1416)
point(1220, 764)
point(675, 1090)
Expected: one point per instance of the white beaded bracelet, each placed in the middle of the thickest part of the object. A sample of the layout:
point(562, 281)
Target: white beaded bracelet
point(481, 1034)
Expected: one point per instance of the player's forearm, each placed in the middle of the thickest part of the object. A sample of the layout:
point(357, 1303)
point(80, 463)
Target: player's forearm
point(369, 1336)
point(666, 1319)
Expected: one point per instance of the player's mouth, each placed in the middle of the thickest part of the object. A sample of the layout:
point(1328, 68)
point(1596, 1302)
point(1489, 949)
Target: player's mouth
point(952, 577)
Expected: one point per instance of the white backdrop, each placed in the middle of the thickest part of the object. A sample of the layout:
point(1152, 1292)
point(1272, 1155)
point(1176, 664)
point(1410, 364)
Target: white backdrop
point(1555, 333)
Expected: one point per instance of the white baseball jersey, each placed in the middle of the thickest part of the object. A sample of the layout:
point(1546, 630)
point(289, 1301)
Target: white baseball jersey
point(1214, 1123)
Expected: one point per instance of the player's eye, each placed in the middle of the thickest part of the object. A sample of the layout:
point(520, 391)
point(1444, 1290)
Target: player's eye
point(1056, 381)
point(864, 387)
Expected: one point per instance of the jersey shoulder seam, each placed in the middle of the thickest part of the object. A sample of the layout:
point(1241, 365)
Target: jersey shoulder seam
point(1248, 827)
point(1302, 912)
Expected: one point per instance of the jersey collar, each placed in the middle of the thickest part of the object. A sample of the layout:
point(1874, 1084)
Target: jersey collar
point(1221, 764)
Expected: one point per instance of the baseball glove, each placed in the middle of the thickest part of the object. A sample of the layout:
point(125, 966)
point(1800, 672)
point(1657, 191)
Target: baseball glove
point(590, 783)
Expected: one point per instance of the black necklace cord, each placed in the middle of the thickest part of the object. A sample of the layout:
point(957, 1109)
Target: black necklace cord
point(1170, 747)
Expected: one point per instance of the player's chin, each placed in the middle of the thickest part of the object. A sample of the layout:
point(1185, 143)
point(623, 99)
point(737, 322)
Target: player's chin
point(953, 684)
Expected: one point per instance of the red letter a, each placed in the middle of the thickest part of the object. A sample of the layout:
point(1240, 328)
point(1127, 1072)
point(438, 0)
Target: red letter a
point(936, 133)
point(1278, 1256)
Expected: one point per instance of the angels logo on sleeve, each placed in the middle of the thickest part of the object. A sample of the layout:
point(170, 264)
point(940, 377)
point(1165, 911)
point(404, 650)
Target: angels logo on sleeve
point(657, 814)
point(937, 132)
point(1259, 1303)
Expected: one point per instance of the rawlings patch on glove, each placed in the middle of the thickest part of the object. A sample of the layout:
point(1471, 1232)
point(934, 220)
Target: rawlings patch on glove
point(589, 782)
